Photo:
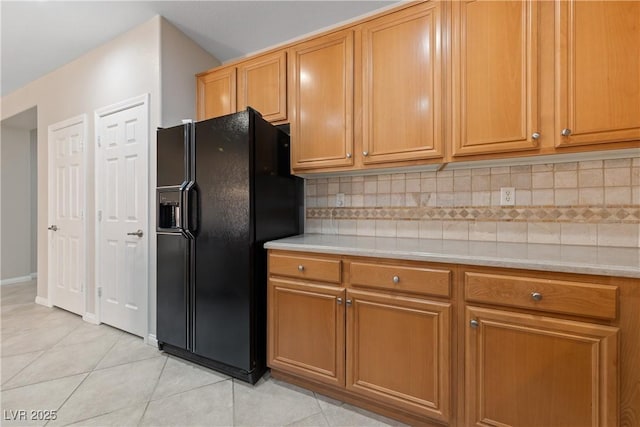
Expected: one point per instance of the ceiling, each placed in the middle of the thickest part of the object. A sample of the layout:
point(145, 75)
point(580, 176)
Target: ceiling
point(39, 36)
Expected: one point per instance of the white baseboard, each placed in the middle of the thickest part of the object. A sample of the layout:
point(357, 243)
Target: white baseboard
point(152, 340)
point(34, 276)
point(12, 280)
point(90, 318)
point(43, 301)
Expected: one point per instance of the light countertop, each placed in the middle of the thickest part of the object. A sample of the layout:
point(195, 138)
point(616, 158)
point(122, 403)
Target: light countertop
point(607, 261)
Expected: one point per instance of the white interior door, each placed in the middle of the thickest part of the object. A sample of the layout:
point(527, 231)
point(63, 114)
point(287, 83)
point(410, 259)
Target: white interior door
point(122, 201)
point(66, 235)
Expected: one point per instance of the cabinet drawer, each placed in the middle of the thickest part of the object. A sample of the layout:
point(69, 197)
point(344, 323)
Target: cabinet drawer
point(401, 278)
point(303, 267)
point(558, 296)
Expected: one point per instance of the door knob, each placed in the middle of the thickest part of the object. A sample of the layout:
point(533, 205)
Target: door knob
point(53, 228)
point(566, 132)
point(396, 279)
point(138, 233)
point(535, 135)
point(474, 323)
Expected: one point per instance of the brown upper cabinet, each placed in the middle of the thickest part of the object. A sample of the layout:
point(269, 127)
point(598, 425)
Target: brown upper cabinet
point(389, 72)
point(597, 72)
point(321, 102)
point(433, 82)
point(402, 90)
point(261, 84)
point(216, 93)
point(495, 76)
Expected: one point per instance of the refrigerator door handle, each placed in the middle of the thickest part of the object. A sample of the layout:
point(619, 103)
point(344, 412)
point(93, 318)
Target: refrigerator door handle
point(190, 209)
point(194, 218)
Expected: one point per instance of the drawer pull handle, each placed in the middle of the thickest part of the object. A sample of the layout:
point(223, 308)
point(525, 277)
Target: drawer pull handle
point(474, 323)
point(301, 267)
point(537, 296)
point(396, 279)
point(339, 300)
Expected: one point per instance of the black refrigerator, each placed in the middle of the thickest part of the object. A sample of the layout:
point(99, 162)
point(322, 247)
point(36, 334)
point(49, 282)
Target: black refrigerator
point(224, 188)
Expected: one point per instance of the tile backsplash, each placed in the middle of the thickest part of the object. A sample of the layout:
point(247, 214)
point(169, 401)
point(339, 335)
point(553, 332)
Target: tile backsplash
point(595, 203)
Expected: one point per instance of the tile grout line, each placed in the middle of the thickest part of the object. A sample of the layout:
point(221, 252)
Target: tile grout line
point(2, 386)
point(64, 376)
point(52, 379)
point(115, 410)
point(123, 363)
point(44, 349)
point(30, 363)
point(233, 402)
point(164, 365)
point(321, 410)
point(105, 355)
point(86, 375)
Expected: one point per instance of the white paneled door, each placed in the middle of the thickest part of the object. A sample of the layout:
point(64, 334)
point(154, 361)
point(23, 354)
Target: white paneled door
point(122, 182)
point(66, 235)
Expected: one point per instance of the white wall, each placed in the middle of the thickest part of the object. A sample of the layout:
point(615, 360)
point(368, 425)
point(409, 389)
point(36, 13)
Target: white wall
point(33, 191)
point(153, 58)
point(181, 59)
point(125, 67)
point(16, 202)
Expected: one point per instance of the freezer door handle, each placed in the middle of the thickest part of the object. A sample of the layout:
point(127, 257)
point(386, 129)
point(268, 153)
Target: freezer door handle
point(190, 203)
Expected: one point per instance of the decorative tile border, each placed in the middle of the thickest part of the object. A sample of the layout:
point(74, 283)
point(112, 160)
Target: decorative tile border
point(628, 214)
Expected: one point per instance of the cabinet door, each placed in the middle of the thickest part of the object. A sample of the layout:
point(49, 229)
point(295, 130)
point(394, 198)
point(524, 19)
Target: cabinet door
point(402, 85)
point(598, 72)
point(321, 100)
point(495, 76)
point(526, 370)
point(262, 85)
point(216, 93)
point(398, 351)
point(305, 328)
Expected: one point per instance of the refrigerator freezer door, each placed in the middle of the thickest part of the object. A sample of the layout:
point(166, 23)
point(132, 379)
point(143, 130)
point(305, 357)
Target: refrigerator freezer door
point(173, 161)
point(173, 289)
point(223, 246)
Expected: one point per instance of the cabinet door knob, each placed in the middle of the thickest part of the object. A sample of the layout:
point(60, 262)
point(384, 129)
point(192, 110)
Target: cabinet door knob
point(349, 302)
point(53, 228)
point(474, 323)
point(537, 296)
point(396, 279)
point(301, 267)
point(348, 155)
point(566, 132)
point(339, 300)
point(365, 153)
point(535, 135)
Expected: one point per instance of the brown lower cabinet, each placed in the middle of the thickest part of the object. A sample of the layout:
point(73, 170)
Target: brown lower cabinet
point(398, 351)
point(440, 344)
point(306, 324)
point(528, 370)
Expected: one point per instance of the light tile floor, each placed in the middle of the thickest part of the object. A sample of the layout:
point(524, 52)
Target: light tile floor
point(99, 376)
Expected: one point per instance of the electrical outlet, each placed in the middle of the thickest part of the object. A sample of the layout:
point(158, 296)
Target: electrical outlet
point(340, 200)
point(507, 196)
